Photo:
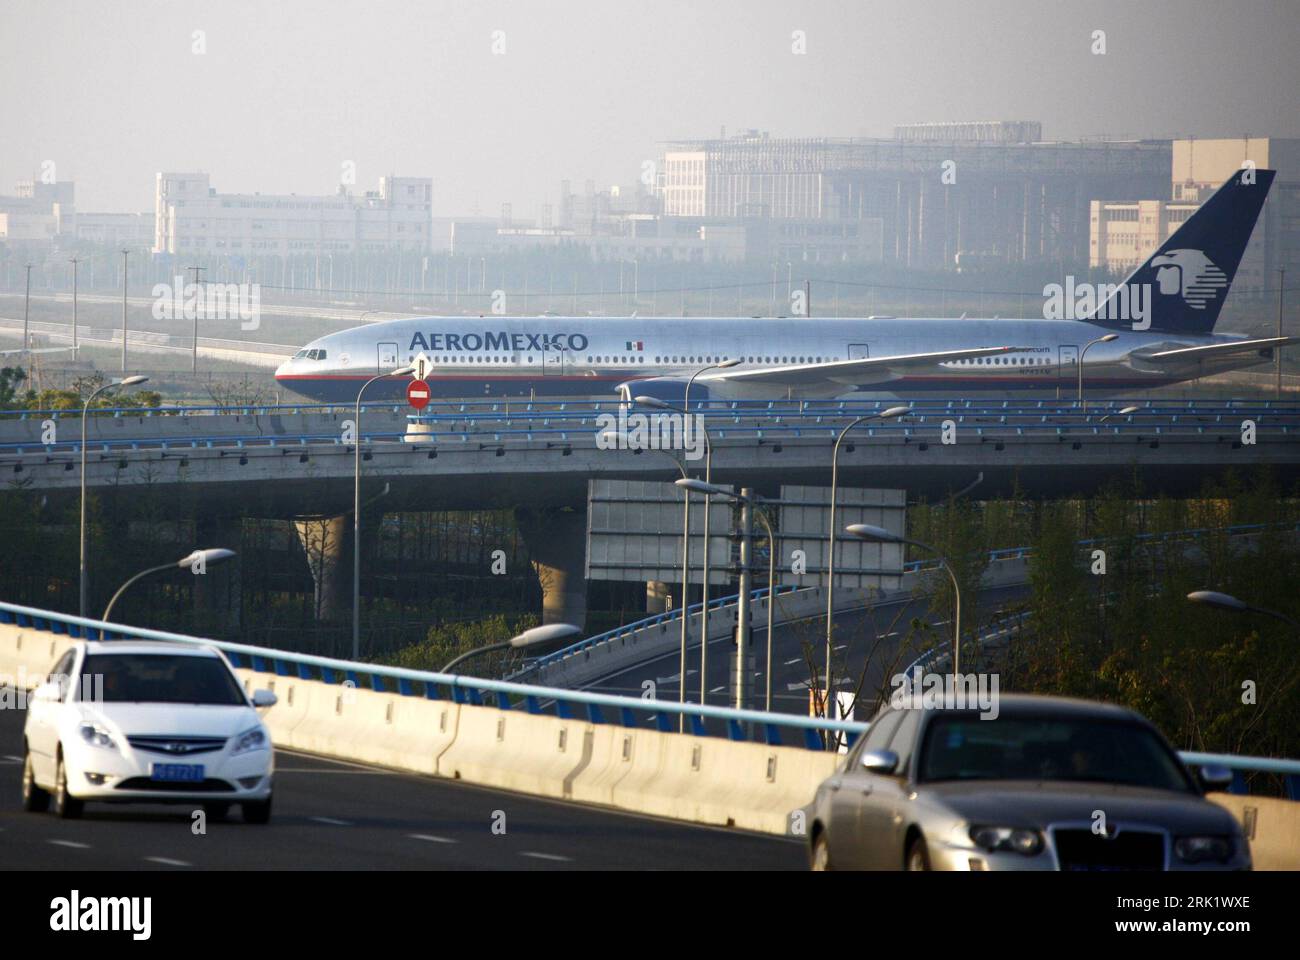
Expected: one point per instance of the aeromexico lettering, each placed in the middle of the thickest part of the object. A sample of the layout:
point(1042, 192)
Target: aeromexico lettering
point(499, 341)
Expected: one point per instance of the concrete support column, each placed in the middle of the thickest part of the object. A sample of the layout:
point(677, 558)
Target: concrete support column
point(218, 593)
point(557, 543)
point(328, 545)
point(658, 597)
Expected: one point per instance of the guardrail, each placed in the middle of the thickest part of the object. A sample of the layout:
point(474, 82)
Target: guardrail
point(552, 406)
point(629, 711)
point(582, 431)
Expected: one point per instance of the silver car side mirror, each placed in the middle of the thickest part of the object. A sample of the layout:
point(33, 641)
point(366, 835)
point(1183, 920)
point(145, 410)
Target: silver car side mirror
point(879, 761)
point(1216, 777)
point(265, 698)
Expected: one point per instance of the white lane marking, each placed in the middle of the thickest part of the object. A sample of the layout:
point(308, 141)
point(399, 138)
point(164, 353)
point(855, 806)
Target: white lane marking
point(431, 838)
point(546, 856)
point(718, 689)
point(795, 660)
point(167, 861)
point(71, 843)
point(10, 756)
point(330, 821)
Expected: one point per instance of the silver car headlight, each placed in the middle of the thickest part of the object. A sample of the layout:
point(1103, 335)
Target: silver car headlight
point(252, 739)
point(97, 736)
point(1026, 842)
point(1200, 849)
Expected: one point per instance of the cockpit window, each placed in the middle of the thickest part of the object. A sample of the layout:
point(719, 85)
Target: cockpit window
point(309, 355)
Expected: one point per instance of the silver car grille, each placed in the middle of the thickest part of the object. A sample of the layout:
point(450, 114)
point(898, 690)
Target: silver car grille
point(177, 746)
point(1125, 846)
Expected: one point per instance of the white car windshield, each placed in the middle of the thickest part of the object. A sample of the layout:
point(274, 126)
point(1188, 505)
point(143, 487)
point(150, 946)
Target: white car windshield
point(163, 678)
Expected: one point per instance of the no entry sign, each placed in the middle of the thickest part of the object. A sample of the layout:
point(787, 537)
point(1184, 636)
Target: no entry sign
point(417, 394)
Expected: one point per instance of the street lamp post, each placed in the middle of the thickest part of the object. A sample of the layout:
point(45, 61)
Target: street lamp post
point(623, 439)
point(544, 635)
point(871, 533)
point(356, 512)
point(889, 414)
point(200, 558)
point(710, 490)
point(83, 588)
point(1108, 338)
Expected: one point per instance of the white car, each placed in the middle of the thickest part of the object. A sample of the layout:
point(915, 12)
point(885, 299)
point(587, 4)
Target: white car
point(133, 721)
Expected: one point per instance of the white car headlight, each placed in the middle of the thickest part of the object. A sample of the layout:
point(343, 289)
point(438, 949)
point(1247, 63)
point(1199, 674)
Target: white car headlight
point(253, 739)
point(97, 736)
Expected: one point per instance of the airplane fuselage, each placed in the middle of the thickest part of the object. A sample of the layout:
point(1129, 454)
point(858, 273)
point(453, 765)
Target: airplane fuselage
point(479, 357)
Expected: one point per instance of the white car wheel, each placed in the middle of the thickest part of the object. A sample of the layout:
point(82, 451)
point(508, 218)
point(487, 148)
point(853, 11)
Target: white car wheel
point(66, 806)
point(35, 799)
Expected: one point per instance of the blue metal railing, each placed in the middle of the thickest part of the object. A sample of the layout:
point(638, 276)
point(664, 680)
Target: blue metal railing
point(765, 408)
point(568, 704)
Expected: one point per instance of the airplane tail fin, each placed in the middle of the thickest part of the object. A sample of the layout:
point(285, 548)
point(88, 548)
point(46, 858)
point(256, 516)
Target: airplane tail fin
point(1185, 282)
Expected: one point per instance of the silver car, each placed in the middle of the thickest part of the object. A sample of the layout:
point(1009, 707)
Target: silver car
point(1047, 784)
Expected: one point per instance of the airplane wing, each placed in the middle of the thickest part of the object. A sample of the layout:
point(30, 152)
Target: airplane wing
point(1216, 350)
point(849, 371)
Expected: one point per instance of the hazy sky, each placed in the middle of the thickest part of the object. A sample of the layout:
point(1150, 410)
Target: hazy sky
point(289, 90)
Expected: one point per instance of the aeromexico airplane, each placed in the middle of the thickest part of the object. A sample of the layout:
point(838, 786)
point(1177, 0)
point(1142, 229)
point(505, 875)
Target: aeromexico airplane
point(1162, 316)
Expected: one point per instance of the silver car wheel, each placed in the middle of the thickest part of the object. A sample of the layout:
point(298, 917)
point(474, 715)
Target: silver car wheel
point(821, 854)
point(918, 857)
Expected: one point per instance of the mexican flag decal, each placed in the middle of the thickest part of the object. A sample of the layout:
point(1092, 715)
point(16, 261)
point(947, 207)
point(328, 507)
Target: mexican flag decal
point(635, 345)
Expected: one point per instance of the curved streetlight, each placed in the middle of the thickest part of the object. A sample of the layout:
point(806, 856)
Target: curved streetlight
point(657, 404)
point(708, 490)
point(1122, 412)
point(874, 534)
point(356, 511)
point(1226, 601)
point(544, 635)
point(1108, 338)
point(83, 588)
point(891, 413)
point(199, 560)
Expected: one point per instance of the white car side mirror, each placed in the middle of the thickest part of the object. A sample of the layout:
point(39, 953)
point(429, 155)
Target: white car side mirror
point(47, 692)
point(264, 698)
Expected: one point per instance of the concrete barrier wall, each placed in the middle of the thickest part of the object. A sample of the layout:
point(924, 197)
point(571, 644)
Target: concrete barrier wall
point(706, 780)
point(1272, 826)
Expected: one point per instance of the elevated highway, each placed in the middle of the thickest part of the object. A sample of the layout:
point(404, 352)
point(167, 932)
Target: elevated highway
point(287, 461)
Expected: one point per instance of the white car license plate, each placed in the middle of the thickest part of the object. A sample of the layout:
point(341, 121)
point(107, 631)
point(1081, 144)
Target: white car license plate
point(176, 772)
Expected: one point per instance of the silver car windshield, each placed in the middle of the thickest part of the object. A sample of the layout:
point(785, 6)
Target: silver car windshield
point(163, 678)
point(965, 747)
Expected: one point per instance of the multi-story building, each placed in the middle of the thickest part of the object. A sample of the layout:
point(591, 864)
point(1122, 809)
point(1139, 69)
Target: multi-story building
point(191, 217)
point(1124, 233)
point(38, 213)
point(990, 192)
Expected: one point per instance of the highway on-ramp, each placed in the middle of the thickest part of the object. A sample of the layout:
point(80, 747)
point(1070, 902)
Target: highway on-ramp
point(332, 815)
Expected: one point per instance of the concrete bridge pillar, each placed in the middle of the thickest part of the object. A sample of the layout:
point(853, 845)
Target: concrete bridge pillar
point(658, 597)
point(218, 593)
point(327, 543)
point(557, 542)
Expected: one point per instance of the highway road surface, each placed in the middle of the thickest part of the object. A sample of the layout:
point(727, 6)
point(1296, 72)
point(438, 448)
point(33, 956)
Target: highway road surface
point(872, 635)
point(332, 815)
